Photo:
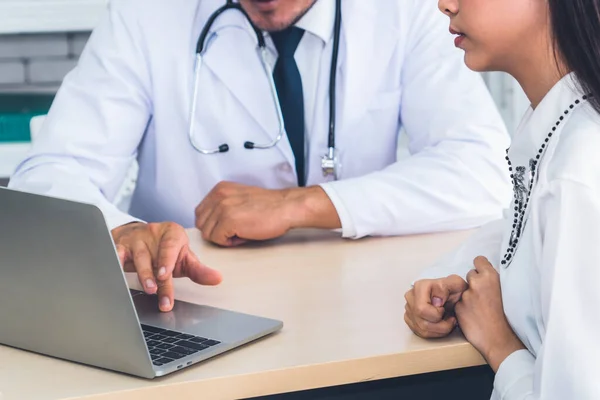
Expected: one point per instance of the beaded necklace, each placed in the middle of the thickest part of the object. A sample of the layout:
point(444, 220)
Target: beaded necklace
point(522, 194)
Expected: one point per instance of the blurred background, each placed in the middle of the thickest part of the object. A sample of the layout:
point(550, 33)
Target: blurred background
point(41, 40)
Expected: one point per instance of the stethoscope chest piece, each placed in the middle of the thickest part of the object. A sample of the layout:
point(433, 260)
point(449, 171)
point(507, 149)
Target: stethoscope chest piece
point(331, 165)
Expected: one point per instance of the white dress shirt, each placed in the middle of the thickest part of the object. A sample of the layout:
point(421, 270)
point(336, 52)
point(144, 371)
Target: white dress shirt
point(550, 290)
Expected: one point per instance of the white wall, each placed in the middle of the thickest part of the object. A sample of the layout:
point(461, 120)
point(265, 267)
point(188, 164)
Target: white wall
point(29, 16)
point(509, 97)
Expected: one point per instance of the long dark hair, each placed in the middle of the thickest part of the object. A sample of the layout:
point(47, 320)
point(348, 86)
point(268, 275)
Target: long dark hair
point(576, 34)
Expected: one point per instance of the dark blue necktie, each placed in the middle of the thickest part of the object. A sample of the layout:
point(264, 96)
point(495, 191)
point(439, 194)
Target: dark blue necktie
point(289, 90)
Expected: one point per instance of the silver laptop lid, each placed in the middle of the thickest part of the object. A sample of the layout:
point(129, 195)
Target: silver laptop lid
point(62, 289)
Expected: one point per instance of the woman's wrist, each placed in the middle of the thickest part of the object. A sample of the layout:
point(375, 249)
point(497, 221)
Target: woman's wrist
point(501, 349)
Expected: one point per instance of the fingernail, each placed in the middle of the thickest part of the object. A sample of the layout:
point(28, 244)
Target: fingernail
point(150, 284)
point(437, 302)
point(162, 271)
point(165, 302)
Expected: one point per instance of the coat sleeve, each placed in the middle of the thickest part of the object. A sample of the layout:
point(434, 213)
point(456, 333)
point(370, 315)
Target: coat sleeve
point(91, 134)
point(566, 366)
point(456, 176)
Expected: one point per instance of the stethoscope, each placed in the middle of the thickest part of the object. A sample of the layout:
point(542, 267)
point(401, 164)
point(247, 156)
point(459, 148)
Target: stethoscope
point(329, 163)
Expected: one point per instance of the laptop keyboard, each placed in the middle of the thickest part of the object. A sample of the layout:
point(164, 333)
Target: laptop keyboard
point(166, 346)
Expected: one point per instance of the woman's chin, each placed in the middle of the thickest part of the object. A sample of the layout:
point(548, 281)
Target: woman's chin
point(477, 63)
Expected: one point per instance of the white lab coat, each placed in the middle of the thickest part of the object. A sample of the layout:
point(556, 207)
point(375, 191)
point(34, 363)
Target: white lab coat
point(550, 290)
point(130, 98)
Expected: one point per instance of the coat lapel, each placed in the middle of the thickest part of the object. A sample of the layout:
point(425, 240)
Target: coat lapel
point(369, 39)
point(234, 59)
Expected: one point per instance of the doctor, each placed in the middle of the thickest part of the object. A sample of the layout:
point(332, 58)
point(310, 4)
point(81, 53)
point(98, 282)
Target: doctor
point(285, 114)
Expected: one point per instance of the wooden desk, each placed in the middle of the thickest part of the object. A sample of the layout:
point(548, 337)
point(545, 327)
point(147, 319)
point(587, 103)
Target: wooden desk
point(342, 304)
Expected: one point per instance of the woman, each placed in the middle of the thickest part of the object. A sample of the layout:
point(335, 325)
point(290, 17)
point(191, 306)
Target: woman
point(530, 303)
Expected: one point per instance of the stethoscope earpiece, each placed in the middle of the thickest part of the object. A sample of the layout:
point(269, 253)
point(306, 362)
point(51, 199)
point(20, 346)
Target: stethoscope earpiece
point(249, 145)
point(224, 148)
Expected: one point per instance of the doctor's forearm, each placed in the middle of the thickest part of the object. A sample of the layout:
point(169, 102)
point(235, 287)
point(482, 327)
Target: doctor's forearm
point(311, 208)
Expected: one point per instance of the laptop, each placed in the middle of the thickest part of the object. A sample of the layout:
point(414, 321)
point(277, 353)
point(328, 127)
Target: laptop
point(63, 294)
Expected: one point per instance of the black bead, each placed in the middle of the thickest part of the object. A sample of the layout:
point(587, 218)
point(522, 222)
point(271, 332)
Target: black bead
point(547, 140)
point(550, 135)
point(566, 112)
point(503, 262)
point(557, 123)
point(561, 118)
point(585, 97)
point(577, 101)
point(538, 156)
point(543, 145)
point(571, 106)
point(540, 151)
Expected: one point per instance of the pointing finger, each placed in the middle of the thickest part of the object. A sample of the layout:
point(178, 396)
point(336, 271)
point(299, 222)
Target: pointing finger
point(166, 295)
point(200, 273)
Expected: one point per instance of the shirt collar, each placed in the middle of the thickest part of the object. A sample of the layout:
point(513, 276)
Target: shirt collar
point(319, 20)
point(536, 124)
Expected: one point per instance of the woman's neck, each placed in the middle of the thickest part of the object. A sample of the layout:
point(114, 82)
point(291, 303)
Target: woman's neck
point(538, 73)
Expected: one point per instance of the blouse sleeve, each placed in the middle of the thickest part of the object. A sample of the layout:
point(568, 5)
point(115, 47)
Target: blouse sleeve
point(566, 366)
point(486, 241)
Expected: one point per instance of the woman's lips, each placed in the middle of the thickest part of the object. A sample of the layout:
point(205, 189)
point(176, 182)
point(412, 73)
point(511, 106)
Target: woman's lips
point(459, 39)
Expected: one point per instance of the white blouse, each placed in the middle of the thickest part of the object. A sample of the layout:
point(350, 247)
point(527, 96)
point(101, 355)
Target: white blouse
point(551, 288)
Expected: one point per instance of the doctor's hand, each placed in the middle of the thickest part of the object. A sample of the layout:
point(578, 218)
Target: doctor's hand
point(158, 253)
point(481, 317)
point(232, 214)
point(429, 310)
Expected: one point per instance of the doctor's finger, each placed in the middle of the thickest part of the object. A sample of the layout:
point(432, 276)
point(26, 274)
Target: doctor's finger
point(124, 256)
point(210, 224)
point(142, 261)
point(170, 246)
point(199, 272)
point(223, 234)
point(166, 295)
point(204, 210)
